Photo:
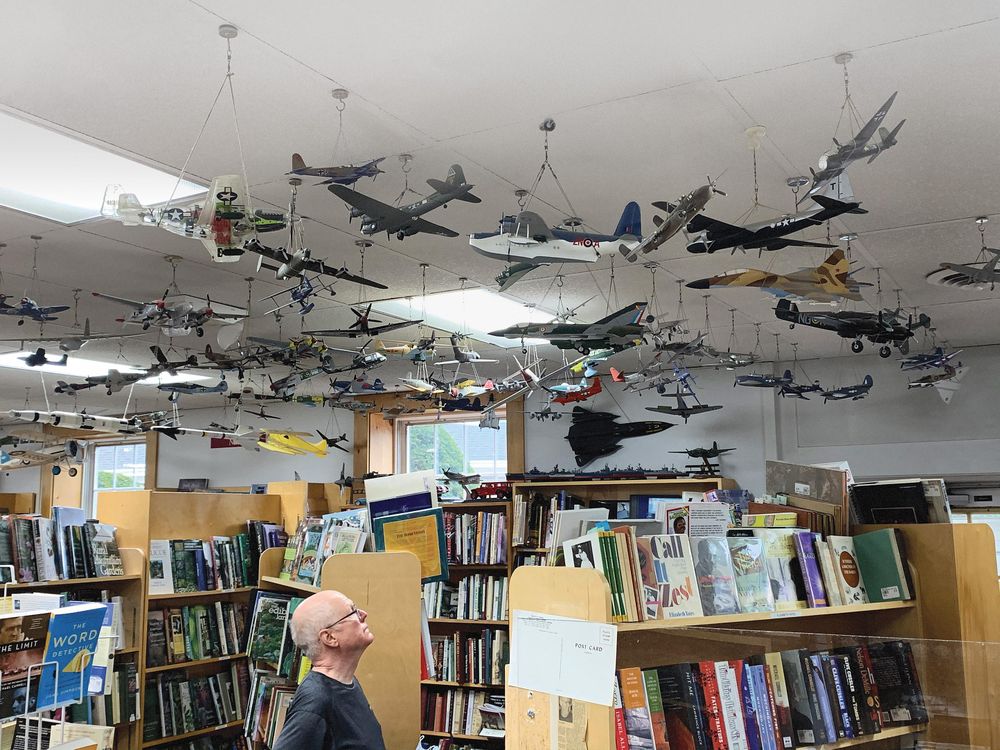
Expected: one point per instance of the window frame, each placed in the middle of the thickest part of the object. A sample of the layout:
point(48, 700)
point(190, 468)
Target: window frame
point(90, 491)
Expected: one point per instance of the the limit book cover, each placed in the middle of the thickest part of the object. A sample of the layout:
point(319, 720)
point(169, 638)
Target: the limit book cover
point(22, 644)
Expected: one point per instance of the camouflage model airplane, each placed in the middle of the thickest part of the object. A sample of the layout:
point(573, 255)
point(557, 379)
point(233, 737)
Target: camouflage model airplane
point(678, 214)
point(617, 331)
point(946, 382)
point(683, 409)
point(347, 174)
point(830, 281)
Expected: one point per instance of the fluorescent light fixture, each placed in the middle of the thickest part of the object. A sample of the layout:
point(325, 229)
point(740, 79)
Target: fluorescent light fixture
point(473, 312)
point(77, 367)
point(53, 175)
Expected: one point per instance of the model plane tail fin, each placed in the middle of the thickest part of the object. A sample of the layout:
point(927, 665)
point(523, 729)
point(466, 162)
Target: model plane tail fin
point(630, 222)
point(298, 162)
point(887, 140)
point(617, 375)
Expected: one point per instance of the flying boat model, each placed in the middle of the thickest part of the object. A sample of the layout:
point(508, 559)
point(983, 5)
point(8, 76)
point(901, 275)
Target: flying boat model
point(594, 434)
point(405, 221)
point(528, 242)
point(678, 214)
point(879, 328)
point(346, 174)
point(28, 308)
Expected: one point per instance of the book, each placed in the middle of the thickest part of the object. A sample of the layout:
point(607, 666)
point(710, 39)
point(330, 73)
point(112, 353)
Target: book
point(782, 568)
point(22, 643)
point(420, 532)
point(156, 639)
point(715, 723)
point(657, 718)
point(103, 660)
point(621, 738)
point(825, 559)
point(847, 570)
point(778, 691)
point(838, 696)
point(820, 695)
point(763, 702)
point(682, 707)
point(638, 726)
point(71, 643)
point(103, 549)
point(23, 535)
point(808, 565)
point(45, 549)
point(307, 570)
point(268, 626)
point(713, 569)
point(731, 704)
point(670, 573)
point(161, 576)
point(752, 583)
point(799, 700)
point(882, 560)
point(901, 700)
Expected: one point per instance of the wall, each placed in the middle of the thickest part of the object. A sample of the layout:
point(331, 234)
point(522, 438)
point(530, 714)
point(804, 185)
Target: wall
point(228, 467)
point(21, 480)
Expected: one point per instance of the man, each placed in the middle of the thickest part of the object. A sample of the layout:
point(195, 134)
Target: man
point(330, 710)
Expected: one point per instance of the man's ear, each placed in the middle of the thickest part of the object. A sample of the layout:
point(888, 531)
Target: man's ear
point(328, 638)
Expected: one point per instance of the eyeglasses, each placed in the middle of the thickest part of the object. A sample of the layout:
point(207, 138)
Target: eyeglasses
point(354, 611)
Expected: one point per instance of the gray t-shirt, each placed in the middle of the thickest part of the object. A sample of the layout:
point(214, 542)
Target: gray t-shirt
point(328, 715)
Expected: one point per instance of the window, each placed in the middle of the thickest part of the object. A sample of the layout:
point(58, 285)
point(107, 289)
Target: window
point(453, 444)
point(119, 467)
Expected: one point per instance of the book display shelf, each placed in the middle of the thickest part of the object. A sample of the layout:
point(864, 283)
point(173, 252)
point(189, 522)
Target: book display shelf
point(387, 586)
point(952, 627)
point(143, 515)
point(17, 502)
point(300, 499)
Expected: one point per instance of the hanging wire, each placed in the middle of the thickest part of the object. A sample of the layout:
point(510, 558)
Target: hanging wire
point(777, 347)
point(756, 346)
point(2, 246)
point(27, 396)
point(708, 323)
point(547, 127)
point(612, 289)
point(406, 166)
point(76, 307)
point(32, 289)
point(731, 347)
point(341, 106)
point(362, 246)
point(878, 288)
point(848, 108)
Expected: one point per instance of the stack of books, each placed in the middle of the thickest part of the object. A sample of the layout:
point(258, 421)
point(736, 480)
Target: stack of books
point(476, 597)
point(770, 701)
point(476, 538)
point(202, 631)
point(177, 703)
point(456, 710)
point(317, 538)
point(476, 659)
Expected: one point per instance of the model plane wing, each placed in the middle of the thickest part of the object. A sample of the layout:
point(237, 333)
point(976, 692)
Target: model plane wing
point(865, 134)
point(121, 300)
point(318, 266)
point(429, 227)
point(702, 223)
point(371, 207)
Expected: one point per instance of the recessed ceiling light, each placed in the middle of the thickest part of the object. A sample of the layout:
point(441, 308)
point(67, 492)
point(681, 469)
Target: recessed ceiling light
point(473, 312)
point(56, 176)
point(78, 367)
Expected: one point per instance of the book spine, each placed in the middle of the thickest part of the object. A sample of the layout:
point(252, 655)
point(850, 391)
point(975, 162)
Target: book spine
point(855, 697)
point(714, 720)
point(806, 553)
point(826, 715)
point(838, 698)
point(657, 719)
point(621, 738)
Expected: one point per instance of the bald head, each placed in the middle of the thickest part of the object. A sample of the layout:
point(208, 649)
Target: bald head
point(328, 625)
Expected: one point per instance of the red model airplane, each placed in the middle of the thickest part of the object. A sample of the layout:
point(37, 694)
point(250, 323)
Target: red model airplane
point(569, 394)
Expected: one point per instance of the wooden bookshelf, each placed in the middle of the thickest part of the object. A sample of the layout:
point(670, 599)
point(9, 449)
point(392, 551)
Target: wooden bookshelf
point(387, 586)
point(454, 621)
point(957, 610)
point(18, 502)
point(95, 582)
point(302, 499)
point(142, 515)
point(190, 735)
point(471, 685)
point(195, 663)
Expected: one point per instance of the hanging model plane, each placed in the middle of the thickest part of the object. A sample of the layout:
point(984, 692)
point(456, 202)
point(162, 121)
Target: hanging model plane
point(239, 360)
point(464, 356)
point(285, 387)
point(713, 234)
point(462, 480)
point(833, 163)
point(28, 308)
point(362, 326)
point(299, 262)
point(594, 434)
point(301, 294)
point(706, 454)
point(419, 351)
point(545, 413)
point(360, 360)
point(678, 214)
point(879, 328)
point(589, 365)
point(347, 174)
point(38, 358)
point(357, 385)
point(569, 393)
point(221, 222)
point(617, 331)
point(683, 409)
point(829, 282)
point(115, 380)
point(852, 392)
point(83, 421)
point(177, 389)
point(981, 275)
point(755, 380)
point(946, 382)
point(73, 342)
point(528, 240)
point(174, 319)
point(799, 390)
point(291, 351)
point(696, 347)
point(936, 358)
point(404, 221)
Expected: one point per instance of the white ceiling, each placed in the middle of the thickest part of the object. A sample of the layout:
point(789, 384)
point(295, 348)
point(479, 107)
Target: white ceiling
point(648, 99)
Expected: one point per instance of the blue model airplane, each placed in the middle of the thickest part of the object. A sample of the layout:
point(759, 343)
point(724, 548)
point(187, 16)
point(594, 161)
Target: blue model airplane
point(28, 308)
point(345, 175)
point(301, 294)
point(853, 392)
point(38, 358)
point(176, 389)
point(764, 381)
point(796, 390)
point(936, 358)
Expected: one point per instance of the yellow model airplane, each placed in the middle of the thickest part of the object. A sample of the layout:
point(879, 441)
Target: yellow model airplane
point(293, 443)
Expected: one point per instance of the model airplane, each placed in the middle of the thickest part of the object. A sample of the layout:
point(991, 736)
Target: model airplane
point(177, 389)
point(360, 360)
point(545, 413)
point(716, 235)
point(362, 326)
point(221, 222)
point(284, 388)
point(301, 295)
point(344, 175)
point(829, 282)
point(291, 351)
point(936, 358)
point(464, 356)
point(38, 358)
point(404, 221)
point(174, 319)
point(729, 360)
point(833, 163)
point(616, 331)
point(706, 454)
point(299, 262)
point(589, 365)
point(799, 390)
point(72, 342)
point(853, 392)
point(335, 442)
point(21, 452)
point(162, 364)
point(695, 347)
point(83, 421)
point(292, 443)
point(240, 360)
point(569, 393)
point(463, 480)
point(113, 382)
point(980, 275)
point(678, 214)
point(594, 434)
point(420, 351)
point(462, 403)
point(357, 385)
point(28, 308)
point(529, 242)
point(755, 380)
point(682, 409)
point(946, 382)
point(879, 328)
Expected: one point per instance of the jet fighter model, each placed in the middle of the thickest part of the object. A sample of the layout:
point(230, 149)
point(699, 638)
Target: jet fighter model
point(38, 358)
point(175, 318)
point(946, 382)
point(833, 163)
point(344, 175)
point(754, 380)
point(678, 214)
point(72, 342)
point(705, 454)
point(853, 392)
point(568, 393)
point(594, 434)
point(936, 358)
point(177, 389)
point(362, 326)
point(528, 240)
point(293, 264)
point(464, 356)
point(28, 308)
point(404, 221)
point(879, 328)
point(713, 235)
point(829, 282)
point(616, 331)
point(979, 275)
